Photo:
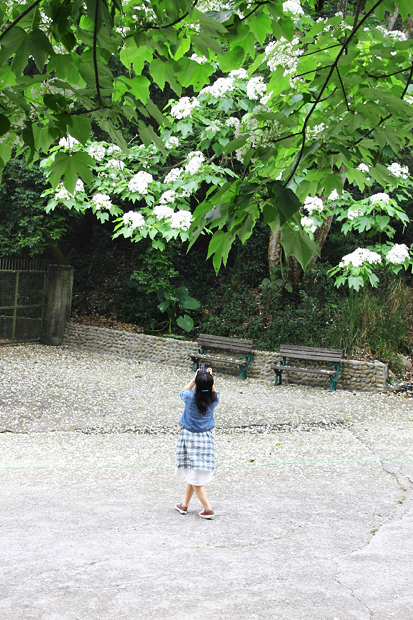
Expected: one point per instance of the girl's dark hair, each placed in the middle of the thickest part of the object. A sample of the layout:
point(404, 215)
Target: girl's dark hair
point(204, 396)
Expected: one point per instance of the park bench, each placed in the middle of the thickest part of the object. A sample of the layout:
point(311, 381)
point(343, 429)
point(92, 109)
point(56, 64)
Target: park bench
point(235, 351)
point(313, 354)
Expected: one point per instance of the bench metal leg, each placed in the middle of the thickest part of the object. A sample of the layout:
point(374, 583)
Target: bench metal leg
point(278, 377)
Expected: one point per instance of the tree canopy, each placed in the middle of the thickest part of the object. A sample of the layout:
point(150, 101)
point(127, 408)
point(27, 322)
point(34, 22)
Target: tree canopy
point(332, 94)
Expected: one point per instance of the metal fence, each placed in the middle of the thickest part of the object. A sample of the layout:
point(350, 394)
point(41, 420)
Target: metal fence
point(22, 286)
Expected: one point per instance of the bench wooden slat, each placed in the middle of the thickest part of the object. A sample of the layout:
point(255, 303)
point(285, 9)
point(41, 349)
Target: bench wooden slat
point(221, 342)
point(230, 345)
point(315, 371)
point(312, 354)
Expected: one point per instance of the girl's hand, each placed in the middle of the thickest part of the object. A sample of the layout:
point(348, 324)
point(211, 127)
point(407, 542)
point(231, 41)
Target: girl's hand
point(209, 370)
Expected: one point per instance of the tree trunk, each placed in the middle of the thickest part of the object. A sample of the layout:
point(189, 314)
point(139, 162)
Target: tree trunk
point(391, 19)
point(274, 250)
point(320, 236)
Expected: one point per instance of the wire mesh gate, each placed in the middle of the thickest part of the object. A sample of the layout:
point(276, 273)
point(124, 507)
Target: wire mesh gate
point(22, 286)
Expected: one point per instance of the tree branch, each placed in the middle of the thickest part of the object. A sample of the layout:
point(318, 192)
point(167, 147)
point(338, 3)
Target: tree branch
point(333, 67)
point(20, 17)
point(152, 27)
point(342, 88)
point(386, 75)
point(95, 59)
point(253, 10)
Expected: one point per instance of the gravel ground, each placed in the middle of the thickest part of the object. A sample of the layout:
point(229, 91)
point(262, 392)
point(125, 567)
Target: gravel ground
point(312, 493)
point(62, 389)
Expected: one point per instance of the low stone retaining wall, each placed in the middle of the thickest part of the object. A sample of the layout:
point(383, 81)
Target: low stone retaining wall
point(354, 375)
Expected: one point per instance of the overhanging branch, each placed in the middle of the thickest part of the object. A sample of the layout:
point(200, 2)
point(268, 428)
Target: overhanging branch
point(19, 18)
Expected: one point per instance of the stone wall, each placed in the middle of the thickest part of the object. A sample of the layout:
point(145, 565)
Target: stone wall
point(354, 375)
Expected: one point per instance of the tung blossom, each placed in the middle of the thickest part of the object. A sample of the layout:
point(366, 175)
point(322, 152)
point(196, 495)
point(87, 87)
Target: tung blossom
point(68, 142)
point(184, 107)
point(308, 222)
point(172, 142)
point(398, 170)
point(284, 53)
point(313, 203)
point(63, 194)
point(195, 160)
point(352, 214)
point(97, 151)
point(293, 6)
point(239, 74)
point(380, 197)
point(219, 88)
point(101, 201)
point(139, 182)
point(168, 196)
point(360, 256)
point(256, 88)
point(173, 175)
point(162, 212)
point(181, 220)
point(133, 219)
point(398, 254)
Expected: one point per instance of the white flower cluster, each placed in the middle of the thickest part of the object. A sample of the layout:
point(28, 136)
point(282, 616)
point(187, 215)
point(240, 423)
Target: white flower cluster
point(360, 256)
point(315, 131)
point(308, 222)
point(173, 175)
point(195, 159)
point(172, 142)
point(118, 164)
point(284, 53)
point(168, 196)
point(139, 182)
point(239, 74)
point(334, 195)
point(201, 60)
point(215, 126)
point(398, 170)
point(313, 203)
point(363, 168)
point(162, 212)
point(256, 88)
point(63, 194)
point(398, 254)
point(380, 197)
point(68, 142)
point(133, 219)
point(114, 148)
point(293, 6)
point(184, 107)
point(97, 151)
point(398, 35)
point(181, 220)
point(101, 201)
point(219, 88)
point(352, 214)
point(233, 122)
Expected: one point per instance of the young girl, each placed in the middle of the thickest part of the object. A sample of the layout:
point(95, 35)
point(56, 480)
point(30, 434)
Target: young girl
point(195, 453)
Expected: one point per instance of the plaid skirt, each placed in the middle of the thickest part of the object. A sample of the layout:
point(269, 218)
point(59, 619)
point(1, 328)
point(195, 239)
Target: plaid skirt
point(195, 450)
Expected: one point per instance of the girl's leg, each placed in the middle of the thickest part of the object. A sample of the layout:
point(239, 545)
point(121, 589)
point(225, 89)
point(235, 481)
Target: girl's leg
point(189, 491)
point(202, 496)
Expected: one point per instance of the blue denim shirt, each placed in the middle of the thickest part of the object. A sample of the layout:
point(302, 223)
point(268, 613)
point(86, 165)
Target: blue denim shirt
point(192, 419)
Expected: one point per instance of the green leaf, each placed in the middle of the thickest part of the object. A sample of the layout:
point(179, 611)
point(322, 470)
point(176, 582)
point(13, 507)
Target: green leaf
point(236, 144)
point(4, 124)
point(185, 322)
point(233, 59)
point(285, 200)
point(260, 25)
point(80, 128)
point(298, 244)
point(71, 165)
